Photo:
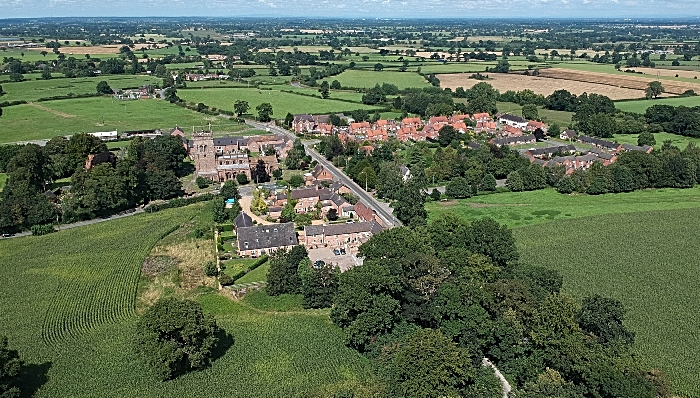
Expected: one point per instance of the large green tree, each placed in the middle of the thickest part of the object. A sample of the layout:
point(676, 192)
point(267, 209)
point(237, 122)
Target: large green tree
point(264, 112)
point(175, 336)
point(283, 276)
point(319, 283)
point(409, 208)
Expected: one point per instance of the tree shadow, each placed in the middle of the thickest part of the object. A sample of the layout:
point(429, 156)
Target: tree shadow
point(225, 341)
point(187, 168)
point(33, 376)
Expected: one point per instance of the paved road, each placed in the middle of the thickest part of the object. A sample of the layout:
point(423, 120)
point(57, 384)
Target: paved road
point(87, 222)
point(384, 212)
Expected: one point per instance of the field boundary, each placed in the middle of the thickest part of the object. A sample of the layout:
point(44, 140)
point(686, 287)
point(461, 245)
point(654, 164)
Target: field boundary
point(55, 112)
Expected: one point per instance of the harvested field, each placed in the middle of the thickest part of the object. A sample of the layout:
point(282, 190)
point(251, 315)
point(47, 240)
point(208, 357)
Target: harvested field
point(629, 82)
point(541, 85)
point(688, 74)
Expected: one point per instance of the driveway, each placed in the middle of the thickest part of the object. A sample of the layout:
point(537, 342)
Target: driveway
point(344, 261)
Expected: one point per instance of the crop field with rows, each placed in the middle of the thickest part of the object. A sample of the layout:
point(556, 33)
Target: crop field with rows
point(67, 304)
point(648, 261)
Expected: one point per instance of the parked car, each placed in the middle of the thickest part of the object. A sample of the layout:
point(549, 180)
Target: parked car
point(342, 250)
point(336, 252)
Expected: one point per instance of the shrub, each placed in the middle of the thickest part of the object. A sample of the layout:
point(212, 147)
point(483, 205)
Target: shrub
point(225, 280)
point(178, 202)
point(210, 269)
point(42, 229)
point(202, 182)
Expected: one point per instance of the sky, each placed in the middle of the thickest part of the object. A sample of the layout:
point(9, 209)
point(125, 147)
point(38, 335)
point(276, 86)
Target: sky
point(354, 8)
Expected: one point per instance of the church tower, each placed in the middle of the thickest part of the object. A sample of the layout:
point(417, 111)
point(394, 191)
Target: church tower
point(204, 155)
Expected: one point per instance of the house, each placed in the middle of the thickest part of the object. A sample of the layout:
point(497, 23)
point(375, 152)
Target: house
point(334, 235)
point(602, 144)
point(549, 151)
point(510, 131)
point(412, 122)
point(265, 239)
point(524, 139)
point(473, 145)
point(533, 125)
point(630, 147)
point(242, 220)
point(485, 127)
point(481, 117)
point(319, 173)
point(366, 214)
point(512, 120)
point(359, 128)
point(568, 135)
point(105, 135)
point(377, 135)
point(274, 212)
point(405, 173)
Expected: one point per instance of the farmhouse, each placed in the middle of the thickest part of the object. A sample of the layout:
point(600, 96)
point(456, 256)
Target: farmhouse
point(514, 121)
point(352, 234)
point(264, 239)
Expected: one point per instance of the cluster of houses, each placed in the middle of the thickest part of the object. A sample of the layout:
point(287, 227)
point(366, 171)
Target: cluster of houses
point(143, 92)
point(321, 193)
point(223, 158)
point(601, 150)
point(505, 129)
point(198, 77)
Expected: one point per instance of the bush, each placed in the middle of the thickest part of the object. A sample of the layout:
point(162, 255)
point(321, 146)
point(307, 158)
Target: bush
point(225, 280)
point(202, 182)
point(178, 202)
point(241, 179)
point(42, 229)
point(458, 188)
point(210, 269)
point(176, 336)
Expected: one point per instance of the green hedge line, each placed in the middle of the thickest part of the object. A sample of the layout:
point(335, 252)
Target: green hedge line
point(179, 202)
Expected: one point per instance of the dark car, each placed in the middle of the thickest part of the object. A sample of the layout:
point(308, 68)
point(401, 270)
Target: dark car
point(336, 252)
point(342, 250)
point(7, 235)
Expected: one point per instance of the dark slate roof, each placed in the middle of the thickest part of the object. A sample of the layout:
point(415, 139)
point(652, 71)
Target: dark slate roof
point(342, 229)
point(338, 200)
point(267, 236)
point(274, 209)
point(474, 145)
point(242, 220)
point(513, 118)
point(630, 147)
point(323, 194)
point(598, 142)
point(552, 149)
point(570, 133)
point(226, 140)
point(336, 185)
point(302, 117)
point(509, 140)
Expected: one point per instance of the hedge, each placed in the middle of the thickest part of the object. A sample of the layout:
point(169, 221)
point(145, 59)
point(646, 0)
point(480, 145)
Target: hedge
point(42, 229)
point(179, 202)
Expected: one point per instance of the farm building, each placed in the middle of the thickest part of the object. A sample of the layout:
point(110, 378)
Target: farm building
point(264, 239)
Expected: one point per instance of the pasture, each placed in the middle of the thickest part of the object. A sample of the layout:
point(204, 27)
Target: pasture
point(648, 261)
point(368, 79)
point(69, 309)
point(281, 102)
point(677, 140)
point(561, 117)
point(518, 209)
point(641, 106)
point(45, 120)
point(32, 90)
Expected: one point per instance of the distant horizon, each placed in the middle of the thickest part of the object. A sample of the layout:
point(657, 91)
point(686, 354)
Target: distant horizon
point(358, 9)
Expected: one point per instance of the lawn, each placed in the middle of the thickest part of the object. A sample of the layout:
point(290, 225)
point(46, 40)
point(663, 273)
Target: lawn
point(32, 90)
point(648, 261)
point(69, 310)
point(368, 79)
point(677, 140)
point(257, 275)
point(281, 102)
point(518, 209)
point(641, 106)
point(48, 119)
point(561, 117)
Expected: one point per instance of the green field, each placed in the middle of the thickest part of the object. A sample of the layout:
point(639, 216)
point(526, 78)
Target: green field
point(549, 116)
point(677, 140)
point(64, 117)
point(641, 106)
point(32, 90)
point(648, 261)
point(517, 209)
point(368, 79)
point(68, 307)
point(281, 102)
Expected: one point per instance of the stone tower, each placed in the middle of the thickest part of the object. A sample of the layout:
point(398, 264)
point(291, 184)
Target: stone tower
point(204, 155)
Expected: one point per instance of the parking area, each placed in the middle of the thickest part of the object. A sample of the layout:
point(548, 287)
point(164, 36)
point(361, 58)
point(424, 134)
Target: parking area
point(344, 261)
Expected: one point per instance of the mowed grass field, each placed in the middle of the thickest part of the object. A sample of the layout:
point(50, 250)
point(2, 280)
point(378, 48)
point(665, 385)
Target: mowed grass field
point(641, 106)
point(48, 119)
point(561, 117)
point(648, 261)
point(677, 140)
point(368, 79)
point(281, 102)
point(32, 90)
point(518, 209)
point(67, 305)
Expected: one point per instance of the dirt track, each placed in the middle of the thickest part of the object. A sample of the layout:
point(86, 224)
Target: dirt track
point(43, 108)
